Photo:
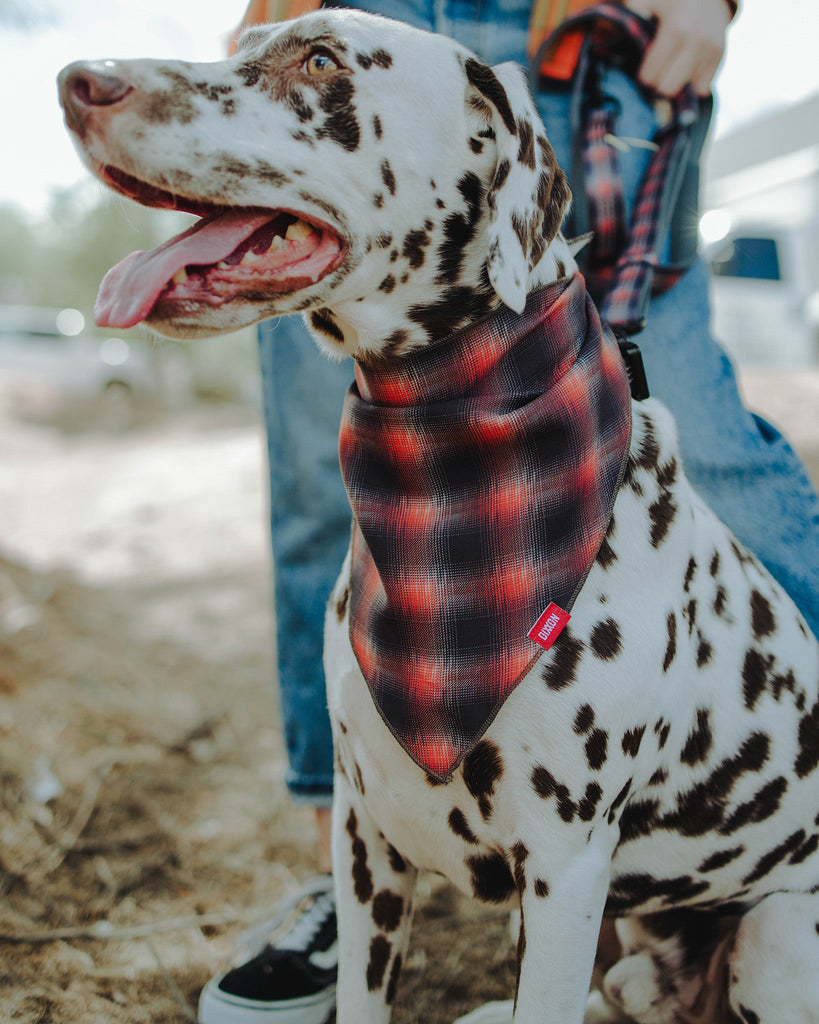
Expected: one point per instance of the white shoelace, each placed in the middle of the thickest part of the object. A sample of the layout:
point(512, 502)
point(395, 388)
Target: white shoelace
point(301, 935)
point(251, 942)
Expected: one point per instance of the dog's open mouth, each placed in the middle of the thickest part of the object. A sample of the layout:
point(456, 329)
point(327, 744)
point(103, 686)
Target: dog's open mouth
point(230, 253)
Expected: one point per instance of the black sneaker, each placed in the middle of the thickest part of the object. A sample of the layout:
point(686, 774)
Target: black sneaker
point(289, 977)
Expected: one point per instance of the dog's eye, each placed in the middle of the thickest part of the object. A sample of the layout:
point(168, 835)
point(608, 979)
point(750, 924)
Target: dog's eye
point(320, 62)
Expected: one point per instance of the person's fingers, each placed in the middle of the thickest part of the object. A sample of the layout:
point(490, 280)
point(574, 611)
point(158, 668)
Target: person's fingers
point(688, 46)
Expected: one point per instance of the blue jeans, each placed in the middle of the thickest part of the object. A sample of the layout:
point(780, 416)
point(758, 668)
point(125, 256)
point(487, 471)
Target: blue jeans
point(739, 463)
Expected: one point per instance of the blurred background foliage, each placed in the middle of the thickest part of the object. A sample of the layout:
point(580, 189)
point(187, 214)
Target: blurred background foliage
point(58, 260)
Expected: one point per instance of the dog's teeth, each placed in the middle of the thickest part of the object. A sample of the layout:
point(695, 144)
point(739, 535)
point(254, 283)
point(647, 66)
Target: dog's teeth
point(223, 265)
point(250, 257)
point(298, 231)
point(277, 243)
point(180, 277)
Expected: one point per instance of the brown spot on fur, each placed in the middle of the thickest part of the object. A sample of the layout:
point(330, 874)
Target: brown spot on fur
point(605, 640)
point(362, 876)
point(482, 768)
point(459, 825)
point(392, 984)
point(341, 604)
point(359, 779)
point(632, 739)
point(661, 513)
point(397, 862)
point(621, 796)
point(526, 149)
point(546, 786)
point(704, 650)
point(763, 622)
point(388, 908)
point(584, 719)
point(388, 177)
point(808, 757)
point(606, 554)
point(588, 805)
point(754, 676)
point(380, 952)
point(491, 878)
point(323, 321)
point(553, 196)
point(413, 247)
point(521, 953)
point(519, 855)
point(566, 653)
point(671, 646)
point(484, 80)
point(760, 807)
point(699, 742)
point(597, 749)
point(720, 859)
point(336, 101)
point(769, 861)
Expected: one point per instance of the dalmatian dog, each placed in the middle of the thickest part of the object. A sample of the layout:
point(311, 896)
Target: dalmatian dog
point(657, 766)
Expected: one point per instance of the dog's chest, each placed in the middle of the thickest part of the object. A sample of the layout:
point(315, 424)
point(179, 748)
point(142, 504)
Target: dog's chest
point(678, 698)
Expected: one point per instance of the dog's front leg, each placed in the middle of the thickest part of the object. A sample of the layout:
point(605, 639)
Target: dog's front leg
point(563, 892)
point(374, 890)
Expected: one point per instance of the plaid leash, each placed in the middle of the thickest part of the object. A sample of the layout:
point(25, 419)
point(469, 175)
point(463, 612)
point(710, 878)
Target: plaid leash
point(622, 263)
point(482, 472)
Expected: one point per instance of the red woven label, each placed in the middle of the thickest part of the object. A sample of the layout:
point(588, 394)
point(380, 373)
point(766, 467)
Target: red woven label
point(549, 626)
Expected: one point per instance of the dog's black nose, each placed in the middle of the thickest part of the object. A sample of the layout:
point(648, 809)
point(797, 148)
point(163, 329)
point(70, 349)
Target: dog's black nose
point(87, 86)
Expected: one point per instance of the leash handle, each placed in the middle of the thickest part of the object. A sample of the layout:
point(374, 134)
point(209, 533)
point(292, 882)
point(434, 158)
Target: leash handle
point(622, 263)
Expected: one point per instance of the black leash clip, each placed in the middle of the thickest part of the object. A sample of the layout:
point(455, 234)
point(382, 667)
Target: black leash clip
point(633, 358)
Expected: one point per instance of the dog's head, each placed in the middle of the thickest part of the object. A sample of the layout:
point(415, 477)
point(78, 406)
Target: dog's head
point(379, 179)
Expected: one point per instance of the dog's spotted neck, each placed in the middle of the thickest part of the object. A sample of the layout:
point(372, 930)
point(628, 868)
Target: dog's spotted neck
point(366, 328)
point(541, 343)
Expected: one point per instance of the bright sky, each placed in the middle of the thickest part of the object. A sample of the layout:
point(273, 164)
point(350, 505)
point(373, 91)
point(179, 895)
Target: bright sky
point(771, 61)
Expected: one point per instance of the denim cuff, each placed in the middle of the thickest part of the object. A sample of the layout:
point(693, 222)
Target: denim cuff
point(313, 792)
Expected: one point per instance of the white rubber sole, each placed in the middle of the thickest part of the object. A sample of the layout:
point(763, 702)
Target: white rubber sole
point(218, 1007)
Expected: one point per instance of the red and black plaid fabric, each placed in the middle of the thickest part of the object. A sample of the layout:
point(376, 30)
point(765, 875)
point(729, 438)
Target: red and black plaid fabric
point(482, 473)
point(632, 277)
point(622, 263)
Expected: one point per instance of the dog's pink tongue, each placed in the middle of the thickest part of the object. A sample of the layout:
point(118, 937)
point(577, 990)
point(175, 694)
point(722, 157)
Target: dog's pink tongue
point(130, 289)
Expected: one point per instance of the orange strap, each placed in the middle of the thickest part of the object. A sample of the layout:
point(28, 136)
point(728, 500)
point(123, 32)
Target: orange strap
point(563, 60)
point(545, 18)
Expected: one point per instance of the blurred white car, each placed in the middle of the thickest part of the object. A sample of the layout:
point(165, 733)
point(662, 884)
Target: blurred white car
point(47, 353)
point(764, 301)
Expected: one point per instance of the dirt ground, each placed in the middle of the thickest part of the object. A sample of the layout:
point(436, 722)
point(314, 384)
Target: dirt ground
point(143, 817)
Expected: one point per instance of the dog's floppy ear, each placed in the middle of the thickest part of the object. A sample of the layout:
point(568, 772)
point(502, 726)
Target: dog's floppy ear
point(528, 194)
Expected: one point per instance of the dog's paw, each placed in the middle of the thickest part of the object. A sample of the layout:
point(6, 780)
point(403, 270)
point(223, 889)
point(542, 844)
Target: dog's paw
point(490, 1013)
point(634, 987)
point(600, 1011)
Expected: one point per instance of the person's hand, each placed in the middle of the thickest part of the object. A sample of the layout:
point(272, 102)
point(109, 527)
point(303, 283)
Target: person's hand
point(689, 44)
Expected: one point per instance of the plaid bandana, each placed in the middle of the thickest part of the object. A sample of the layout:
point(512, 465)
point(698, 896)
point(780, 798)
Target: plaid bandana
point(622, 262)
point(481, 472)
